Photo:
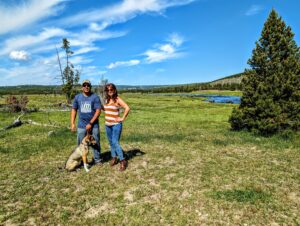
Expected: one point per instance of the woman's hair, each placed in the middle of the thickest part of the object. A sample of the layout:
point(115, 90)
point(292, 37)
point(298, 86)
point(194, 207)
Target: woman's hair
point(114, 96)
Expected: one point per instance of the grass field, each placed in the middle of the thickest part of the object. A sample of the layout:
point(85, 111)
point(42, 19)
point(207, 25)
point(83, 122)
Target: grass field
point(194, 170)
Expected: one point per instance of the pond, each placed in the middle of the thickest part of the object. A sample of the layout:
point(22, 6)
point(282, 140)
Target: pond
point(210, 98)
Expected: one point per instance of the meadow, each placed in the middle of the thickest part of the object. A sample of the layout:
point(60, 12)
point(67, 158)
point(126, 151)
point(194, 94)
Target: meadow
point(191, 169)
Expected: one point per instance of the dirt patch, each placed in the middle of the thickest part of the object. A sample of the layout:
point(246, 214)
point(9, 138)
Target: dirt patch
point(170, 176)
point(128, 196)
point(294, 197)
point(185, 195)
point(153, 183)
point(103, 208)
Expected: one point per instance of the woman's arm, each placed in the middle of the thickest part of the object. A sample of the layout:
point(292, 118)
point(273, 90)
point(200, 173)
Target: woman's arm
point(125, 106)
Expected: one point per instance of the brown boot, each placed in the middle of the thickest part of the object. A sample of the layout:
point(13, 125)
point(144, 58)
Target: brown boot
point(123, 165)
point(114, 161)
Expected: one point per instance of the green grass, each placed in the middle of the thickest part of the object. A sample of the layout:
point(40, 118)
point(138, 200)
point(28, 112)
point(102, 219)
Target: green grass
point(244, 196)
point(194, 171)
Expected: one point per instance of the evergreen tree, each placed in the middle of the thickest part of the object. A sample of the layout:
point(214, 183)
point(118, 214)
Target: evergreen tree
point(271, 88)
point(69, 77)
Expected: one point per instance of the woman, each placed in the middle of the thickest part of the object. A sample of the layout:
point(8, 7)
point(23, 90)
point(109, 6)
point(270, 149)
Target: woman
point(113, 123)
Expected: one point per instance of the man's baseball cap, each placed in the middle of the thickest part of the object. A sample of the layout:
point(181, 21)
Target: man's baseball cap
point(86, 81)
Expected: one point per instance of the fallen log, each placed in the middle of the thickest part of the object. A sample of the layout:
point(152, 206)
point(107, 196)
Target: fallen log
point(18, 122)
point(40, 124)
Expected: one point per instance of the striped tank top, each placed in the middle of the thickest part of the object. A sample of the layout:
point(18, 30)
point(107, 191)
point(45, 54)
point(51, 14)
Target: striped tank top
point(111, 114)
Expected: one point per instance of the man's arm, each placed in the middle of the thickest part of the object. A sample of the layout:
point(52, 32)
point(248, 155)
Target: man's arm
point(73, 117)
point(95, 117)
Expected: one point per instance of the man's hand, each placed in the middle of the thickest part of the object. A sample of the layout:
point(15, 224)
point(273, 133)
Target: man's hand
point(88, 127)
point(73, 127)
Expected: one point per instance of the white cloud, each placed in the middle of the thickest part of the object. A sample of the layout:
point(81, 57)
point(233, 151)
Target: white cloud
point(85, 50)
point(167, 48)
point(254, 9)
point(77, 60)
point(44, 70)
point(165, 51)
point(92, 72)
point(34, 73)
point(86, 37)
point(160, 52)
point(15, 16)
point(123, 64)
point(23, 42)
point(176, 39)
point(19, 55)
point(96, 27)
point(120, 12)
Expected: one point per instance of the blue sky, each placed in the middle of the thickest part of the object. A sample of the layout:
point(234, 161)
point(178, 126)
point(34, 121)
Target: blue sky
point(133, 42)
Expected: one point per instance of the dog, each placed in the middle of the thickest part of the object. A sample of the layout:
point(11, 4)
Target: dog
point(80, 153)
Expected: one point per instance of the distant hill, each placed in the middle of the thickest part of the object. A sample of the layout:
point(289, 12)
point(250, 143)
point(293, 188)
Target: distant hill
point(231, 82)
point(233, 79)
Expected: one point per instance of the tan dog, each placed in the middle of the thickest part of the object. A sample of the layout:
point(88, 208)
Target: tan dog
point(80, 154)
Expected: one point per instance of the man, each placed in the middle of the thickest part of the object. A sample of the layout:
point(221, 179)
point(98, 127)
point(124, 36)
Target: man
point(89, 106)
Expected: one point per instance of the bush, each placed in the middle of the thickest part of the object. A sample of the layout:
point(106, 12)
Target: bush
point(17, 104)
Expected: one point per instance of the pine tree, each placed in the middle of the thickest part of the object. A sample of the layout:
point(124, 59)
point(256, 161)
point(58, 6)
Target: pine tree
point(69, 77)
point(271, 88)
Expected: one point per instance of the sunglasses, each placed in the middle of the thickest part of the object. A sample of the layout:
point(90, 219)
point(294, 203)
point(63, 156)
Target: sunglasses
point(86, 85)
point(110, 90)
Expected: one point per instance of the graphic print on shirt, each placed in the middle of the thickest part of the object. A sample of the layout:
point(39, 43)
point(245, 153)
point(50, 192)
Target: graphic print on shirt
point(85, 107)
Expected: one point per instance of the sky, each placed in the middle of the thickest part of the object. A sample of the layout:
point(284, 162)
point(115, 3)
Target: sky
point(133, 42)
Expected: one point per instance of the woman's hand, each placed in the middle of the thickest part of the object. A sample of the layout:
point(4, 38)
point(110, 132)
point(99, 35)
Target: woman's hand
point(119, 119)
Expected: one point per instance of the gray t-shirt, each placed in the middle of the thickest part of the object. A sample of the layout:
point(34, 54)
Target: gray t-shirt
point(86, 107)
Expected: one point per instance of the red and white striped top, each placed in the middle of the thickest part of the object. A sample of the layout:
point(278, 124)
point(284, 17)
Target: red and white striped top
point(111, 114)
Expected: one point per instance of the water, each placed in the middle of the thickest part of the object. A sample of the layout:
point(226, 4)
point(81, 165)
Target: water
point(210, 98)
point(224, 99)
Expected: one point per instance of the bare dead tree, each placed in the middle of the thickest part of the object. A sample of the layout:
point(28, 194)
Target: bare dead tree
point(101, 89)
point(59, 63)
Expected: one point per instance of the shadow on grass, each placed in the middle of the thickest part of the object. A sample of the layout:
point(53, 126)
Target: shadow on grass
point(106, 156)
point(129, 154)
point(244, 196)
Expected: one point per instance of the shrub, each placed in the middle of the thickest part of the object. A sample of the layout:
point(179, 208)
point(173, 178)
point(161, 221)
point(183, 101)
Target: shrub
point(17, 104)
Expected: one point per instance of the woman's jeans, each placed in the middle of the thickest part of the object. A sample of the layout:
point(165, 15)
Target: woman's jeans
point(81, 133)
point(113, 135)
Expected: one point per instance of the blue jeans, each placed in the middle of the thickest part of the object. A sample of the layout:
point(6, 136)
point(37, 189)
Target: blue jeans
point(96, 149)
point(113, 135)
